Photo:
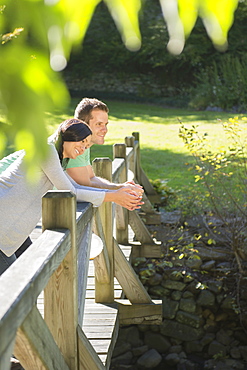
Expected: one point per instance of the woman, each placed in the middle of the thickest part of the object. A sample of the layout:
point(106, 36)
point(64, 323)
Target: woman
point(20, 201)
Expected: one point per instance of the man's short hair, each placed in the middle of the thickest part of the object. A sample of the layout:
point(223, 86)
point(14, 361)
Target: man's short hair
point(86, 105)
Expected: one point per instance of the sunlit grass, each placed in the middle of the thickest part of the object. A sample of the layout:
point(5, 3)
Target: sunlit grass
point(163, 154)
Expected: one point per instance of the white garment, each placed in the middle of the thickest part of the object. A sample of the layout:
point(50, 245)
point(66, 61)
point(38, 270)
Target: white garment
point(20, 201)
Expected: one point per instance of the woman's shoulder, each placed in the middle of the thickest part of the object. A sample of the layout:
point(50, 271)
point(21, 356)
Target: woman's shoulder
point(11, 158)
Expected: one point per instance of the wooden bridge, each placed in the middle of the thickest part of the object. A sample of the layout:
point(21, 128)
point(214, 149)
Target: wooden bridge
point(61, 308)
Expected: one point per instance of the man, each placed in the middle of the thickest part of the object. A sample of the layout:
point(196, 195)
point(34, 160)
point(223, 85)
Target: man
point(95, 113)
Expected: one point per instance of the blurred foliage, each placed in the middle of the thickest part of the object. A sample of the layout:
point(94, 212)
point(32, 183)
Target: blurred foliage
point(222, 85)
point(37, 39)
point(103, 52)
point(223, 173)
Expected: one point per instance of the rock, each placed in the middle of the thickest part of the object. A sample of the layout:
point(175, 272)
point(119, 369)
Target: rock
point(241, 336)
point(172, 274)
point(187, 365)
point(208, 338)
point(158, 291)
point(149, 360)
point(174, 285)
point(211, 326)
point(189, 319)
point(180, 331)
point(124, 359)
point(139, 261)
point(172, 359)
point(169, 307)
point(206, 313)
point(139, 351)
point(221, 317)
point(175, 349)
point(209, 254)
point(194, 263)
point(194, 287)
point(194, 346)
point(188, 278)
point(208, 266)
point(176, 295)
point(120, 349)
point(155, 279)
point(224, 337)
point(206, 299)
point(228, 303)
point(170, 217)
point(243, 351)
point(188, 305)
point(157, 341)
point(235, 353)
point(188, 294)
point(215, 286)
point(130, 335)
point(216, 348)
point(182, 355)
point(233, 364)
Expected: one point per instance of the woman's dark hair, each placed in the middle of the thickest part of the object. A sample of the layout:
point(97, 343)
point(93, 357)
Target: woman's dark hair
point(72, 129)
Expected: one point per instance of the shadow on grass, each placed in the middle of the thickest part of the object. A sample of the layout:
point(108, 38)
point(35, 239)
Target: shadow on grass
point(122, 110)
point(162, 115)
point(159, 164)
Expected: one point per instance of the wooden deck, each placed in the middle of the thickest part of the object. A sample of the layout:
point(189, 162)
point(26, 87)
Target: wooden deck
point(100, 321)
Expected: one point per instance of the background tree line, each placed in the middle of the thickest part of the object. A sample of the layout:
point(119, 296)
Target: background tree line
point(199, 77)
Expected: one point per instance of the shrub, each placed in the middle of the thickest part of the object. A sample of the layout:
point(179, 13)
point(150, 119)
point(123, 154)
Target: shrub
point(223, 174)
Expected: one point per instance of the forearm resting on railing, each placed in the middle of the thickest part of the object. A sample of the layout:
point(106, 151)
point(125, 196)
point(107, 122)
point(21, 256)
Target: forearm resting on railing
point(124, 197)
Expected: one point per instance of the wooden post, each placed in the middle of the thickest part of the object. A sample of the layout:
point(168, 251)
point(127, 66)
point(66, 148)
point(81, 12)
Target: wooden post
point(137, 158)
point(60, 294)
point(122, 219)
point(104, 292)
point(130, 142)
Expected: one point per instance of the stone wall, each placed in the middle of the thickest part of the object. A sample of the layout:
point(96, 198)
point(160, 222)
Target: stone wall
point(142, 85)
point(202, 325)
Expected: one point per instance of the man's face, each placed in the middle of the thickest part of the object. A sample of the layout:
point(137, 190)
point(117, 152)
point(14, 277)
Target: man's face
point(98, 124)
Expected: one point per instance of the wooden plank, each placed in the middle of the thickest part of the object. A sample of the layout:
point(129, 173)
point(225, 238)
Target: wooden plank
point(35, 347)
point(94, 330)
point(151, 218)
point(104, 292)
point(132, 287)
point(7, 354)
point(146, 250)
point(112, 343)
point(141, 232)
point(135, 314)
point(144, 181)
point(61, 292)
point(121, 214)
point(147, 206)
point(35, 267)
point(88, 358)
point(101, 262)
point(83, 264)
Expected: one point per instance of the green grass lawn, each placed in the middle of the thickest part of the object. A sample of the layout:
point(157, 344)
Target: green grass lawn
point(163, 154)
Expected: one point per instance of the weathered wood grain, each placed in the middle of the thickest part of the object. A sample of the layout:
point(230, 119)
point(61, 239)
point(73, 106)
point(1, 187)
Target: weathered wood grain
point(35, 347)
point(132, 287)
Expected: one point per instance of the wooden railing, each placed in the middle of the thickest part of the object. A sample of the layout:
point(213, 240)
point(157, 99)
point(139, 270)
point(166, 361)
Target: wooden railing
point(57, 263)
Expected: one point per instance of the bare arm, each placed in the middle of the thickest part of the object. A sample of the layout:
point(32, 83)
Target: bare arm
point(126, 195)
point(86, 176)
